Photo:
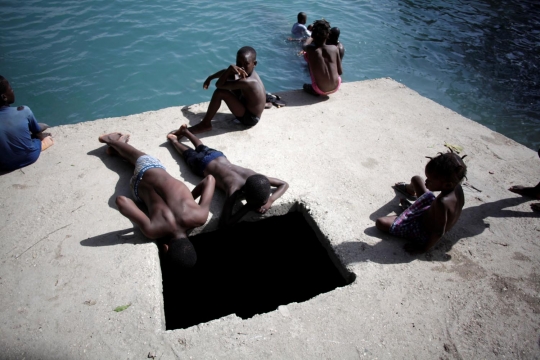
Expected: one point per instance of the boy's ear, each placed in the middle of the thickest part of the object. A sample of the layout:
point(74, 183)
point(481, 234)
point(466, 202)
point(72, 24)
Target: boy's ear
point(255, 63)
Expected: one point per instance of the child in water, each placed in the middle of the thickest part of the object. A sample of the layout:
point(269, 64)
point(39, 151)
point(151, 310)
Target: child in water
point(429, 217)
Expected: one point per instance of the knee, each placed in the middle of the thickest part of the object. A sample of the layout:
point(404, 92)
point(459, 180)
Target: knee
point(383, 224)
point(120, 201)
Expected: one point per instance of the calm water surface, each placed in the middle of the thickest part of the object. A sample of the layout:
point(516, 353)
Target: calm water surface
point(74, 61)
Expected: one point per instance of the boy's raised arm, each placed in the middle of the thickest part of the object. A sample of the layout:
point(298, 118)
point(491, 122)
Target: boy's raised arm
point(281, 186)
point(128, 208)
point(226, 84)
point(212, 77)
point(205, 189)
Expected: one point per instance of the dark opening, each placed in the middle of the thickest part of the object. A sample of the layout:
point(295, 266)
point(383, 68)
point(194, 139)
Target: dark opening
point(251, 268)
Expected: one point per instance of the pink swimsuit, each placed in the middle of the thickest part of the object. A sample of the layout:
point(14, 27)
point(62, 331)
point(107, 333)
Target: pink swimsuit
point(314, 84)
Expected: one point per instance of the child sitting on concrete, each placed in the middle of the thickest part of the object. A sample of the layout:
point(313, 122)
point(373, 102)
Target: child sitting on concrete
point(22, 138)
point(234, 180)
point(240, 87)
point(429, 217)
point(323, 61)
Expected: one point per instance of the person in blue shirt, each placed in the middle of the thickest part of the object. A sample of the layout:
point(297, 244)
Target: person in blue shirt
point(299, 30)
point(21, 137)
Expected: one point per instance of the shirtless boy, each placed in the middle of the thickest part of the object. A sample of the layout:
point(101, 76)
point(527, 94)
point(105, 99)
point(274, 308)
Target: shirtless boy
point(240, 87)
point(21, 137)
point(323, 61)
point(172, 210)
point(234, 180)
point(333, 39)
point(529, 191)
point(429, 217)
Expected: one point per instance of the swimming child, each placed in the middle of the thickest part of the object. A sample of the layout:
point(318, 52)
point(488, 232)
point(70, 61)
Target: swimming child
point(323, 61)
point(22, 138)
point(429, 217)
point(234, 180)
point(172, 210)
point(240, 87)
point(299, 30)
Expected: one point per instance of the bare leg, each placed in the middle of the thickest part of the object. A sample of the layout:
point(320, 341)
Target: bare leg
point(235, 105)
point(119, 143)
point(178, 146)
point(384, 223)
point(418, 185)
point(533, 192)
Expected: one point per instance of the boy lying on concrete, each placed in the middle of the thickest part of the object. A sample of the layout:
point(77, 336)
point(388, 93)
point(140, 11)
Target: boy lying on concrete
point(240, 87)
point(21, 137)
point(323, 61)
point(171, 206)
point(234, 180)
point(429, 217)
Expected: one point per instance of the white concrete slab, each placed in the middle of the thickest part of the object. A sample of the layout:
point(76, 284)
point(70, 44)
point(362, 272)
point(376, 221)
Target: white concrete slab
point(68, 257)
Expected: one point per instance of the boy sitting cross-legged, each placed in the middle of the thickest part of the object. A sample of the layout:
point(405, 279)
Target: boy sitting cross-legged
point(429, 217)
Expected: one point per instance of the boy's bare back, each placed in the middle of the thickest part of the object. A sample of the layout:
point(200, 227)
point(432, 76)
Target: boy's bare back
point(254, 94)
point(325, 65)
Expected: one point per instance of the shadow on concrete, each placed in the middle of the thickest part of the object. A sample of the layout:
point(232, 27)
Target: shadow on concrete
point(126, 236)
point(390, 249)
point(299, 98)
point(185, 171)
point(122, 167)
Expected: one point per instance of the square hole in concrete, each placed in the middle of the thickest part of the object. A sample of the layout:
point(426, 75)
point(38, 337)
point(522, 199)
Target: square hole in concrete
point(251, 268)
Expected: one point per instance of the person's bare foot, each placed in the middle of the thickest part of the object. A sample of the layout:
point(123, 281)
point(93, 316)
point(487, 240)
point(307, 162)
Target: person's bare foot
point(112, 137)
point(533, 192)
point(309, 89)
point(535, 207)
point(199, 128)
point(172, 137)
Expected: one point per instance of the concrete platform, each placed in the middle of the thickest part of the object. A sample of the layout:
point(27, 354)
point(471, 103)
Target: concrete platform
point(69, 258)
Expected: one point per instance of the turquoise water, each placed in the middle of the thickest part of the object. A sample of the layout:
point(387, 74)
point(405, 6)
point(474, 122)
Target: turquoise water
point(74, 61)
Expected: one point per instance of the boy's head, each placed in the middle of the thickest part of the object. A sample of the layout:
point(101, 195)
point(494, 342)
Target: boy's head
point(447, 170)
point(333, 36)
point(7, 96)
point(246, 58)
point(256, 190)
point(302, 17)
point(321, 30)
point(181, 253)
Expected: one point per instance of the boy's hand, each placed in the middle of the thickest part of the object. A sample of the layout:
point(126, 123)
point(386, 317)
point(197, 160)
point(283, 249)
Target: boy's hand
point(264, 208)
point(240, 71)
point(206, 83)
point(414, 249)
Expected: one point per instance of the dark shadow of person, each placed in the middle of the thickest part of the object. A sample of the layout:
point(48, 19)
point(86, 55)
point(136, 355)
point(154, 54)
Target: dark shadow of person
point(221, 123)
point(126, 236)
point(390, 249)
point(124, 170)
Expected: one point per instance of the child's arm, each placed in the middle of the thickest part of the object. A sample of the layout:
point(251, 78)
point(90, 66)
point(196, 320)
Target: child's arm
point(227, 218)
point(212, 77)
point(128, 208)
point(205, 189)
point(226, 84)
point(282, 186)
